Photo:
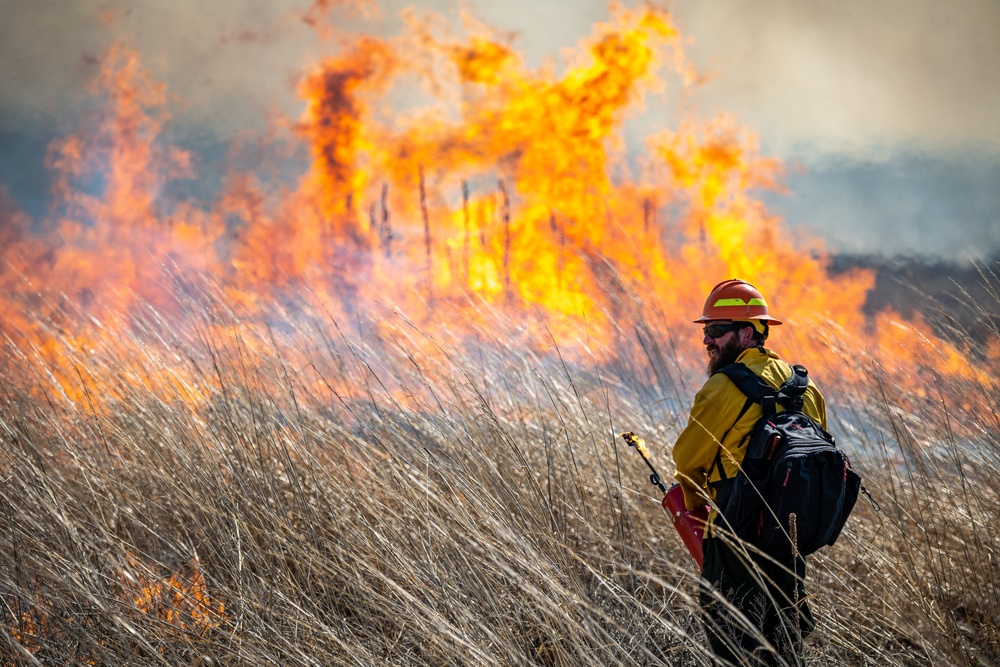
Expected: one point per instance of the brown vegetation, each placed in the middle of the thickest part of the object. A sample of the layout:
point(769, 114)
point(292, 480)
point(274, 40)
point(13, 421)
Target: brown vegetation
point(299, 494)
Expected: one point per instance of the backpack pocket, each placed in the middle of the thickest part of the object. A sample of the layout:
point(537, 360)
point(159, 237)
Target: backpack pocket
point(743, 506)
point(816, 485)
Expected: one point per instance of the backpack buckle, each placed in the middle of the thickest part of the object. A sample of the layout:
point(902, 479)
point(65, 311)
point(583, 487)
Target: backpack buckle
point(795, 401)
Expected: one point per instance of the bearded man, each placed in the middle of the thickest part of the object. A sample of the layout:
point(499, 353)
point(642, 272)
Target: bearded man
point(754, 606)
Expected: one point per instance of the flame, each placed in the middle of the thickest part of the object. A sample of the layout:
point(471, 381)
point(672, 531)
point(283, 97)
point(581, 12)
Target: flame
point(182, 600)
point(511, 187)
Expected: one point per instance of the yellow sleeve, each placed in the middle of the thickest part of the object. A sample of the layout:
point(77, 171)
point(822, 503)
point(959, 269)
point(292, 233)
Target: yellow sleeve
point(814, 405)
point(695, 450)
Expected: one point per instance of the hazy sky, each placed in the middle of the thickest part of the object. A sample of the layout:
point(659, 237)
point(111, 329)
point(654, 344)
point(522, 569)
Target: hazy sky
point(887, 112)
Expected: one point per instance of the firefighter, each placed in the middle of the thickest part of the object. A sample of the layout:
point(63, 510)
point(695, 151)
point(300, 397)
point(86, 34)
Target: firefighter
point(754, 607)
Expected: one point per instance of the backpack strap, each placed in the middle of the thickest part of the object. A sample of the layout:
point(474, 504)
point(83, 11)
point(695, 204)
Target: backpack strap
point(791, 392)
point(756, 391)
point(789, 395)
point(752, 386)
point(723, 478)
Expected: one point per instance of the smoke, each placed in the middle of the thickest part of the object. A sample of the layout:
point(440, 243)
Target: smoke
point(231, 62)
point(839, 77)
point(855, 76)
point(943, 206)
point(880, 102)
point(885, 112)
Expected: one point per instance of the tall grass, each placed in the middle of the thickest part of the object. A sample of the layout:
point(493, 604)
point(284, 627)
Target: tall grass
point(312, 493)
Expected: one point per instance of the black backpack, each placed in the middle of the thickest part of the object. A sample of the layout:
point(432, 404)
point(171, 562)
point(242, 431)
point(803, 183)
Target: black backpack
point(791, 467)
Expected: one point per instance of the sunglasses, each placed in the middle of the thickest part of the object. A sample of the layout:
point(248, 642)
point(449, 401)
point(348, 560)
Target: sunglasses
point(720, 330)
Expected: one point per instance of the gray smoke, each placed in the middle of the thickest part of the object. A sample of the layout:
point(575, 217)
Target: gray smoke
point(889, 106)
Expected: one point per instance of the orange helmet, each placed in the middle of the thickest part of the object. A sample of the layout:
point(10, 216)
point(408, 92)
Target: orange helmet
point(735, 299)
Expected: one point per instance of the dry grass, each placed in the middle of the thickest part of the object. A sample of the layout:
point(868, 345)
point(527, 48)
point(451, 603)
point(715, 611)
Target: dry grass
point(303, 495)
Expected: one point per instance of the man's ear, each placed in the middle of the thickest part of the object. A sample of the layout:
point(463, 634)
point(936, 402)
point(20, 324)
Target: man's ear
point(746, 335)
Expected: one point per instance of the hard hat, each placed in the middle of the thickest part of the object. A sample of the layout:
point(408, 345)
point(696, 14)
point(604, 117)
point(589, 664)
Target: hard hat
point(736, 299)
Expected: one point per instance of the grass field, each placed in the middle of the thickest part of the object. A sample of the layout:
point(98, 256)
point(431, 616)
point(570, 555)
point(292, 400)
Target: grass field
point(286, 469)
point(310, 493)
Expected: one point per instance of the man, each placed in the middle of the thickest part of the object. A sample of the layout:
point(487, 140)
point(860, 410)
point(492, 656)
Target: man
point(755, 609)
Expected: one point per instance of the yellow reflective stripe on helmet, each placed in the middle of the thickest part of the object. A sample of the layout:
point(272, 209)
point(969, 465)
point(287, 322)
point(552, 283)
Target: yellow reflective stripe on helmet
point(739, 302)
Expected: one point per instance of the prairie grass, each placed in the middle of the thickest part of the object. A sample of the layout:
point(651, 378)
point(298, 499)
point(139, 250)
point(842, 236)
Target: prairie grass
point(309, 493)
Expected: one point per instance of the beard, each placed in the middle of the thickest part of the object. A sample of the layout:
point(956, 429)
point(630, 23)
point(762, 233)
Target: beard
point(722, 355)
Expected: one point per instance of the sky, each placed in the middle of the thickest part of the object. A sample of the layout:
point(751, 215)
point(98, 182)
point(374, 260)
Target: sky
point(886, 113)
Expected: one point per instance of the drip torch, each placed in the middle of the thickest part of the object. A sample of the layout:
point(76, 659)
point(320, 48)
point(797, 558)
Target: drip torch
point(690, 524)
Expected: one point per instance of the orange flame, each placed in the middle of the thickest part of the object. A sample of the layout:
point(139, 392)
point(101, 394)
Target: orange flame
point(513, 186)
point(180, 600)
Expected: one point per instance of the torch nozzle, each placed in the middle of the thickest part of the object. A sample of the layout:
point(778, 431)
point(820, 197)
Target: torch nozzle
point(640, 446)
point(630, 439)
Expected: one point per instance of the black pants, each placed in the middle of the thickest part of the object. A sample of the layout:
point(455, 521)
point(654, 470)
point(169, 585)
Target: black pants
point(755, 609)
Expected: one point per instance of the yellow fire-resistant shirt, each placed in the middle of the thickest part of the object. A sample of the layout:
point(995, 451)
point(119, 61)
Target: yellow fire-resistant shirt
point(711, 424)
